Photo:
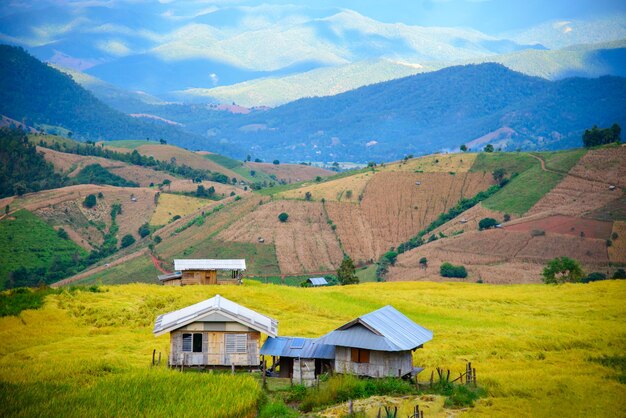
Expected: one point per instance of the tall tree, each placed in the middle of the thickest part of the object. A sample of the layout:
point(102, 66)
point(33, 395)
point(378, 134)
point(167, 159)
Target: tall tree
point(347, 272)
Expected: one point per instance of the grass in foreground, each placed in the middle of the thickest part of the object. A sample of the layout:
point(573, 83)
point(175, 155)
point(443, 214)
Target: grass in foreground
point(533, 346)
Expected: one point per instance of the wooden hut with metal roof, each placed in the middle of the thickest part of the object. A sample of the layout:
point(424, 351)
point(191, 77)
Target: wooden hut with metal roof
point(215, 333)
point(301, 359)
point(205, 271)
point(377, 344)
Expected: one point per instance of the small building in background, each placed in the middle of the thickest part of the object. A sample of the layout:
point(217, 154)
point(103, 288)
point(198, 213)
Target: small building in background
point(205, 271)
point(301, 359)
point(317, 281)
point(215, 333)
point(378, 344)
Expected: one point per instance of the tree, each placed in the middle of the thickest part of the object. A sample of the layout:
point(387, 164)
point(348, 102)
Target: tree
point(599, 136)
point(157, 239)
point(507, 217)
point(248, 157)
point(498, 175)
point(162, 141)
point(200, 191)
point(283, 217)
point(275, 162)
point(562, 270)
point(90, 201)
point(307, 196)
point(463, 147)
point(487, 223)
point(127, 240)
point(347, 272)
point(62, 233)
point(144, 230)
point(619, 274)
point(6, 209)
point(423, 262)
point(488, 148)
point(167, 183)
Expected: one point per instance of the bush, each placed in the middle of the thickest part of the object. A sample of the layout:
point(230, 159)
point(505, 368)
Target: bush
point(275, 162)
point(487, 223)
point(283, 217)
point(127, 240)
point(450, 270)
point(90, 201)
point(157, 239)
point(62, 233)
point(507, 217)
point(594, 277)
point(619, 274)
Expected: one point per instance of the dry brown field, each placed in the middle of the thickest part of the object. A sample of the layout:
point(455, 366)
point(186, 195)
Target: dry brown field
point(436, 163)
point(606, 165)
point(305, 243)
point(64, 162)
point(568, 225)
point(394, 208)
point(617, 250)
point(63, 207)
point(333, 190)
point(291, 173)
point(468, 220)
point(499, 256)
point(185, 185)
point(171, 205)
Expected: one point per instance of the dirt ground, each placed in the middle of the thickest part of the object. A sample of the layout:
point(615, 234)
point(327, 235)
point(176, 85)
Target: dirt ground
point(568, 225)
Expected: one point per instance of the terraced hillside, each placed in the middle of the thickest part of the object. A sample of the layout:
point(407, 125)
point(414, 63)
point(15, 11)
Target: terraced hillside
point(581, 217)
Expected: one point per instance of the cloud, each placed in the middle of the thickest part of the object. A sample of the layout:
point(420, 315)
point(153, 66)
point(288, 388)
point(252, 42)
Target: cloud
point(214, 78)
point(114, 47)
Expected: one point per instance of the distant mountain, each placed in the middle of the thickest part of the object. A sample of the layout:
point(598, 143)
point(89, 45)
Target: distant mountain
point(581, 60)
point(44, 97)
point(425, 113)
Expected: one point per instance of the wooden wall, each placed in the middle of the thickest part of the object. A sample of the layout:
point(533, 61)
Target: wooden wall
point(214, 350)
point(381, 363)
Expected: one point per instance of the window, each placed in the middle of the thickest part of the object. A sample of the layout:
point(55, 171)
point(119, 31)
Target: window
point(236, 343)
point(192, 342)
point(360, 355)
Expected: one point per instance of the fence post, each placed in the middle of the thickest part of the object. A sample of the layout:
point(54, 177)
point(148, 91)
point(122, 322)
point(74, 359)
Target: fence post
point(153, 354)
point(159, 363)
point(432, 374)
point(263, 368)
point(474, 376)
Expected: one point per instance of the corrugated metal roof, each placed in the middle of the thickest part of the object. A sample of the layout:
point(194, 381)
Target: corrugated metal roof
point(298, 348)
point(177, 319)
point(210, 264)
point(317, 281)
point(170, 276)
point(385, 329)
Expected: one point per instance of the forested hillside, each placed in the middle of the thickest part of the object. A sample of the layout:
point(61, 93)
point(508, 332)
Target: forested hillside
point(417, 115)
point(41, 96)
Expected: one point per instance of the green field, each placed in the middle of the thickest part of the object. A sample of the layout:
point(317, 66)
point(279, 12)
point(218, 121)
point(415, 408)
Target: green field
point(129, 143)
point(523, 191)
point(27, 241)
point(367, 274)
point(138, 269)
point(260, 258)
point(539, 350)
point(517, 162)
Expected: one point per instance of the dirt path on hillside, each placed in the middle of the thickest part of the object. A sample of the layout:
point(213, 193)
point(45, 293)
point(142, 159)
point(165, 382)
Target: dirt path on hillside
point(157, 264)
point(565, 173)
point(99, 269)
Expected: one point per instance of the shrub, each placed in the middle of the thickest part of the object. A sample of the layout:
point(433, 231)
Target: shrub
point(450, 270)
point(307, 196)
point(487, 223)
point(594, 277)
point(488, 148)
point(275, 162)
point(157, 239)
point(127, 240)
point(90, 201)
point(619, 274)
point(391, 256)
point(283, 216)
point(507, 217)
point(423, 262)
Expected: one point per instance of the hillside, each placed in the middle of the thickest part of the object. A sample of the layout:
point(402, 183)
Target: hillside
point(421, 114)
point(564, 208)
point(48, 366)
point(48, 99)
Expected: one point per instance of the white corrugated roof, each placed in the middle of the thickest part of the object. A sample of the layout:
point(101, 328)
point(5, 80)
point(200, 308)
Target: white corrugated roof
point(209, 264)
point(317, 281)
point(177, 319)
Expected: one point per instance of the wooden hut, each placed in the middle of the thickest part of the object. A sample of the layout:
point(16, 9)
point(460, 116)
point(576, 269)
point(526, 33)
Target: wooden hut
point(377, 344)
point(204, 272)
point(215, 333)
point(301, 359)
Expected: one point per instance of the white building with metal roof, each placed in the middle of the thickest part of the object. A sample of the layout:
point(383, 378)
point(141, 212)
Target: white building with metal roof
point(215, 332)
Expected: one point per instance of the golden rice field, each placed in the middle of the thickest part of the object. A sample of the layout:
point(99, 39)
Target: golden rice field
point(88, 354)
point(171, 205)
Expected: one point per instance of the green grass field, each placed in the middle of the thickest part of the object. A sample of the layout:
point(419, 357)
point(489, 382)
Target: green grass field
point(367, 274)
point(539, 350)
point(527, 188)
point(138, 269)
point(129, 143)
point(27, 241)
point(512, 162)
